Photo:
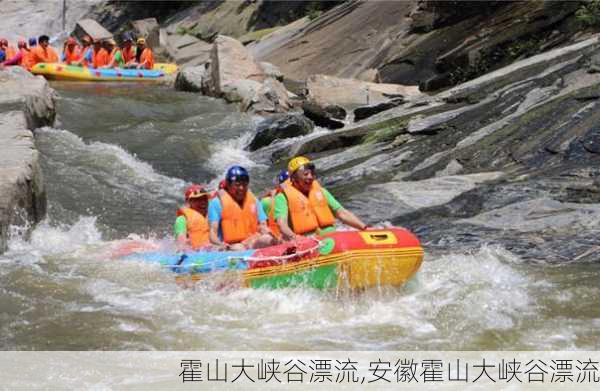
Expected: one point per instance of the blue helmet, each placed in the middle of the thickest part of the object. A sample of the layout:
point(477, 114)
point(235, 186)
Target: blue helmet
point(237, 173)
point(32, 42)
point(283, 175)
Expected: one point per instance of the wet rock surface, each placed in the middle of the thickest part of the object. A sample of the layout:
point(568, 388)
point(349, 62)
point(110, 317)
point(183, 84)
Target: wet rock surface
point(25, 104)
point(280, 126)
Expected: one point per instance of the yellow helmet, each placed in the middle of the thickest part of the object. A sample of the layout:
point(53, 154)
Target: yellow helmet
point(296, 163)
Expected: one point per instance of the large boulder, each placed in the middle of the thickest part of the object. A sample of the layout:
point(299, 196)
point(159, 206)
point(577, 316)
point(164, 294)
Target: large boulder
point(272, 97)
point(187, 49)
point(92, 28)
point(147, 28)
point(231, 61)
point(280, 126)
point(271, 71)
point(331, 98)
point(26, 103)
point(240, 90)
point(191, 78)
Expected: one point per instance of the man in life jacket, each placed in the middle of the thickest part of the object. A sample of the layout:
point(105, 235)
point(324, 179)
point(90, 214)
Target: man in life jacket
point(128, 51)
point(303, 207)
point(115, 57)
point(237, 220)
point(191, 225)
point(268, 202)
point(144, 56)
point(99, 55)
point(18, 58)
point(86, 53)
point(71, 52)
point(43, 52)
point(9, 51)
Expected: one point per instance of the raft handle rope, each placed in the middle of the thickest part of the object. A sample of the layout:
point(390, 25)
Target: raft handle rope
point(255, 259)
point(285, 257)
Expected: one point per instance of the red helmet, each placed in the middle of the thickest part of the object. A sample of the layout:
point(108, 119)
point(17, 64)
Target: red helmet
point(21, 44)
point(195, 191)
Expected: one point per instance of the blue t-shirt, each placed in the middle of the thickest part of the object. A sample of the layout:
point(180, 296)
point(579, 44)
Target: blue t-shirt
point(215, 210)
point(2, 56)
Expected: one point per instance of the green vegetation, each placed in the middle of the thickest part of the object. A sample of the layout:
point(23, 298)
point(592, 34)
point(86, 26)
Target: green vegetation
point(313, 11)
point(589, 13)
point(256, 35)
point(386, 131)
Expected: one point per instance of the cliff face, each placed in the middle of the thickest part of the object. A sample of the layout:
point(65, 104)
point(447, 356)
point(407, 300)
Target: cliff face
point(208, 18)
point(431, 43)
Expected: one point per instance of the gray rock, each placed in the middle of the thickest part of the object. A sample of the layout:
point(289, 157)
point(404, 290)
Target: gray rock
point(230, 61)
point(591, 141)
point(539, 215)
point(190, 79)
point(271, 71)
point(272, 97)
point(25, 104)
point(92, 28)
point(327, 116)
point(240, 90)
point(398, 198)
point(365, 112)
point(280, 126)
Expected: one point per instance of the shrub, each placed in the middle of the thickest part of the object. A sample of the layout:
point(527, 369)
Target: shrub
point(589, 13)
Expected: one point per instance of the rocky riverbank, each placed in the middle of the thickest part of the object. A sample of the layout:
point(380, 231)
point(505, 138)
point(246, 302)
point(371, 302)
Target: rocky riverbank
point(26, 103)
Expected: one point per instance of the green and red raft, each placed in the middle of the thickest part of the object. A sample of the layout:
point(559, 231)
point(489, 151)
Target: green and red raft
point(343, 259)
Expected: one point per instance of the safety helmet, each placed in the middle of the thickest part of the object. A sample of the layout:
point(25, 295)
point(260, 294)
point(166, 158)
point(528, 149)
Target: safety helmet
point(3, 41)
point(33, 42)
point(21, 44)
point(141, 41)
point(195, 191)
point(296, 163)
point(71, 41)
point(283, 175)
point(237, 173)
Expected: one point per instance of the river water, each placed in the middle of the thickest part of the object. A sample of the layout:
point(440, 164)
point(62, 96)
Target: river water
point(116, 164)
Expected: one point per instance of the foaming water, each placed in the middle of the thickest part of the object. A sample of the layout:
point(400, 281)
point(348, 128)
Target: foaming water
point(483, 299)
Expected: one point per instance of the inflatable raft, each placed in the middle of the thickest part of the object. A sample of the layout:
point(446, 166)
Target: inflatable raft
point(57, 71)
point(346, 259)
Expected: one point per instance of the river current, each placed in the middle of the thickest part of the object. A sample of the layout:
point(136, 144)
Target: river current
point(116, 164)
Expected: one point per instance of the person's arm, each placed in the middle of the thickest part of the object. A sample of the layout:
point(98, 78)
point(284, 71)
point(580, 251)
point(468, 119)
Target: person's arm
point(281, 217)
point(344, 215)
point(350, 219)
point(262, 219)
point(180, 229)
point(214, 219)
point(15, 60)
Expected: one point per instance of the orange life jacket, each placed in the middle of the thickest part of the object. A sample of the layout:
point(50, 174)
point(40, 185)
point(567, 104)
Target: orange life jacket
point(72, 56)
point(10, 52)
point(197, 227)
point(38, 54)
point(100, 58)
point(149, 57)
point(238, 224)
point(271, 222)
point(308, 214)
point(129, 54)
point(27, 60)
